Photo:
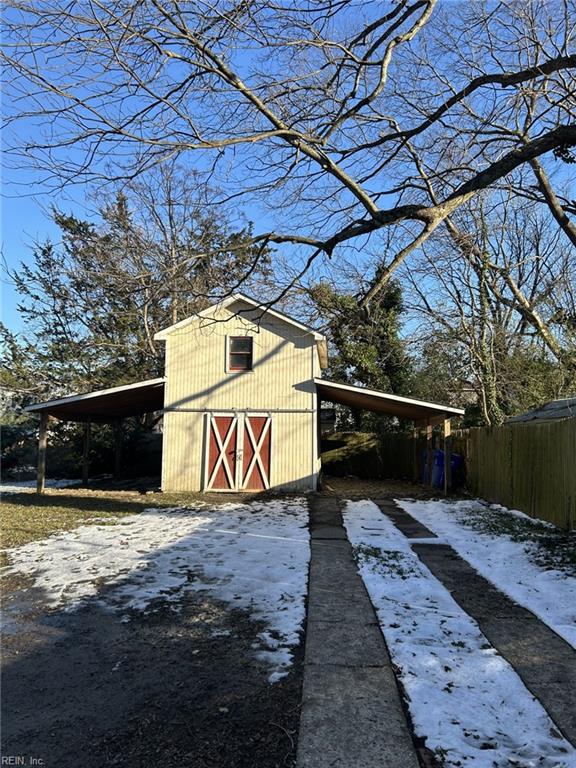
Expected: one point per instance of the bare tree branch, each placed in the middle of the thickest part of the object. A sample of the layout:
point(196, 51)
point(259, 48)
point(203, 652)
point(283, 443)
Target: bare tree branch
point(313, 114)
point(553, 202)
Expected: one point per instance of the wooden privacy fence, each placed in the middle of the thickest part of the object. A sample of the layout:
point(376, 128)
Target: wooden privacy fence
point(526, 466)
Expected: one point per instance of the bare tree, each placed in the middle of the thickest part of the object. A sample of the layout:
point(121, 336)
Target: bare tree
point(471, 315)
point(319, 113)
point(195, 249)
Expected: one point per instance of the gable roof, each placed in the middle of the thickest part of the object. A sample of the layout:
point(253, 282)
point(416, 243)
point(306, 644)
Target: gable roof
point(266, 310)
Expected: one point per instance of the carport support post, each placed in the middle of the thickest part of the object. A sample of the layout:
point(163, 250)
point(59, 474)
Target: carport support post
point(118, 437)
point(429, 451)
point(447, 456)
point(42, 442)
point(415, 436)
point(85, 455)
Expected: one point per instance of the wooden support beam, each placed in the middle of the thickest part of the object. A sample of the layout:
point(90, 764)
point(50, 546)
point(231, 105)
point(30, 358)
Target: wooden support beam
point(429, 452)
point(86, 455)
point(447, 456)
point(434, 420)
point(118, 440)
point(42, 443)
point(415, 462)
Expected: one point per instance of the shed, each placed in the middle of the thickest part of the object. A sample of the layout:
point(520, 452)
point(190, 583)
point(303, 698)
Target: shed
point(241, 399)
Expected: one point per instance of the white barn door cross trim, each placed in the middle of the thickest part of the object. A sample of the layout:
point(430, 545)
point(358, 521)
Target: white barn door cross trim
point(238, 452)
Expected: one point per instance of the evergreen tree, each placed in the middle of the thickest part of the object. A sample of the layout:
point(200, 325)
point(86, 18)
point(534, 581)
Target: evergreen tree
point(92, 304)
point(365, 347)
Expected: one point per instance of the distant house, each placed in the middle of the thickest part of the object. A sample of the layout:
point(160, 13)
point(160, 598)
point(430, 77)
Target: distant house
point(241, 401)
point(552, 411)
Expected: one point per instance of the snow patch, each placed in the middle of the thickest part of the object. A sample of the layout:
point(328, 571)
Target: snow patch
point(252, 556)
point(464, 698)
point(549, 594)
point(25, 486)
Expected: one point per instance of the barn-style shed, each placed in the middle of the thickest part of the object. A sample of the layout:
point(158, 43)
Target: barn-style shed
point(240, 405)
point(240, 399)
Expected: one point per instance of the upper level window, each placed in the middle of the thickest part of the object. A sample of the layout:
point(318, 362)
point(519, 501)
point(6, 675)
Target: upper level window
point(240, 353)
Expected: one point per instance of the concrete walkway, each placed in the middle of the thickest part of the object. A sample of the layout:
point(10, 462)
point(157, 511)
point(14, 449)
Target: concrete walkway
point(352, 715)
point(545, 662)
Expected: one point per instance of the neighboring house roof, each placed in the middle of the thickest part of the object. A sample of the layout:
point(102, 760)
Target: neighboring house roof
point(238, 297)
point(373, 400)
point(555, 409)
point(107, 404)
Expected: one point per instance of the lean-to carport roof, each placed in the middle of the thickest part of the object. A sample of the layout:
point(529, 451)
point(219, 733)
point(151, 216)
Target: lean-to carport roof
point(107, 404)
point(393, 405)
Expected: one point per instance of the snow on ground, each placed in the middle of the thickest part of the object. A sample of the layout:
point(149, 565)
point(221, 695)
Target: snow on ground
point(24, 486)
point(254, 556)
point(463, 696)
point(549, 594)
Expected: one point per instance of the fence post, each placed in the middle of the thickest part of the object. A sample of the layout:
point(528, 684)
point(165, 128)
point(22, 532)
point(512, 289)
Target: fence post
point(447, 457)
point(415, 435)
point(118, 440)
point(85, 455)
point(429, 451)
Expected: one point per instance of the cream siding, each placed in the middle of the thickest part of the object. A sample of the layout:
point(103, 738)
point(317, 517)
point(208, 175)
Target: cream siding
point(281, 383)
point(290, 466)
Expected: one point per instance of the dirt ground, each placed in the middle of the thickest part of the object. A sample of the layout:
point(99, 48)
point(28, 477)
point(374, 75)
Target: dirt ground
point(357, 488)
point(170, 689)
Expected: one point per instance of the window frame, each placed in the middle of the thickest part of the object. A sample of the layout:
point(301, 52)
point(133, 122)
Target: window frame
point(249, 355)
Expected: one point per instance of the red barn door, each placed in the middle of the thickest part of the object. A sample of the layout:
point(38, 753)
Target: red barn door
point(238, 452)
point(221, 473)
point(256, 453)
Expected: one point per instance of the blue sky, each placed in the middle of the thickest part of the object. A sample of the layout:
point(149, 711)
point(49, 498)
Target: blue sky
point(26, 220)
point(23, 222)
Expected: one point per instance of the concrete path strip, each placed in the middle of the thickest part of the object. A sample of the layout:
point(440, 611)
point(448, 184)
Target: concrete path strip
point(545, 662)
point(352, 713)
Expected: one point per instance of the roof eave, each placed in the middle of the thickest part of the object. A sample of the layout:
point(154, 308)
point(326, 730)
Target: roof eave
point(90, 395)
